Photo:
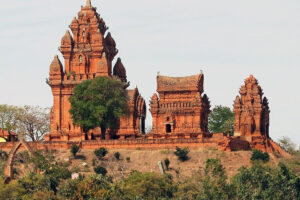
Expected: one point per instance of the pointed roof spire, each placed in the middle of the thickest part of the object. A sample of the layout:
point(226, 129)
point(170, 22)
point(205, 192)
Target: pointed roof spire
point(120, 71)
point(88, 3)
point(56, 66)
point(67, 38)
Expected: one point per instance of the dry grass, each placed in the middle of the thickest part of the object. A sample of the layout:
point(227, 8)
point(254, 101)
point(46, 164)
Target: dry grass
point(147, 161)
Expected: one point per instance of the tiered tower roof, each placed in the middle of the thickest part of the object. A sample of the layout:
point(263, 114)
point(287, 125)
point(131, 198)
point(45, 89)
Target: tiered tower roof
point(87, 49)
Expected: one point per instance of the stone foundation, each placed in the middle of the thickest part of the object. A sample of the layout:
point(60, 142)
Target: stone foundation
point(144, 143)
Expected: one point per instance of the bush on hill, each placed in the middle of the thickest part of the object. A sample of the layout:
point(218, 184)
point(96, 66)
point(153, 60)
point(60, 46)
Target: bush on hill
point(100, 170)
point(259, 155)
point(74, 150)
point(100, 153)
point(256, 182)
point(167, 163)
point(117, 155)
point(182, 153)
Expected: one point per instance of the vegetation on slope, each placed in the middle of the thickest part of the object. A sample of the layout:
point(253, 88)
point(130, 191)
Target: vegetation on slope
point(51, 179)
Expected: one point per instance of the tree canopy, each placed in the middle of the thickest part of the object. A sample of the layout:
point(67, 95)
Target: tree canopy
point(29, 122)
point(33, 122)
point(52, 180)
point(8, 118)
point(99, 102)
point(221, 119)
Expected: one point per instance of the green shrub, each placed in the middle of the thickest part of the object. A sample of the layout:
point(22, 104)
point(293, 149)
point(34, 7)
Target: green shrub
point(91, 187)
point(117, 155)
point(147, 186)
point(182, 153)
point(265, 182)
point(128, 159)
point(3, 155)
point(74, 150)
point(167, 163)
point(100, 153)
point(259, 155)
point(214, 184)
point(100, 170)
point(94, 162)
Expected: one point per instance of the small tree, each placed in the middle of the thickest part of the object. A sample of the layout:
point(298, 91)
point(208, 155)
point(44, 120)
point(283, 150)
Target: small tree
point(182, 153)
point(259, 155)
point(167, 163)
point(99, 102)
point(221, 119)
point(117, 155)
point(287, 144)
point(33, 122)
point(100, 153)
point(74, 150)
point(100, 170)
point(8, 118)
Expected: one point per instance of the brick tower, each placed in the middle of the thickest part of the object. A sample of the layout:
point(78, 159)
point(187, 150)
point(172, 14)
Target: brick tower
point(181, 110)
point(88, 53)
point(251, 112)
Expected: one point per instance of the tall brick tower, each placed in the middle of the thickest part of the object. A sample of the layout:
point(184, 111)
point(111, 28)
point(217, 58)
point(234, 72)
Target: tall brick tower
point(251, 111)
point(88, 53)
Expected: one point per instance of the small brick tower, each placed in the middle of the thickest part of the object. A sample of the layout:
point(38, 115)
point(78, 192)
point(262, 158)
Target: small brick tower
point(251, 112)
point(88, 54)
point(180, 110)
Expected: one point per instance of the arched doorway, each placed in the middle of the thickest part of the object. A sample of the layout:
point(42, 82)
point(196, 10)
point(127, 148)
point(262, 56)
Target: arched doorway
point(8, 170)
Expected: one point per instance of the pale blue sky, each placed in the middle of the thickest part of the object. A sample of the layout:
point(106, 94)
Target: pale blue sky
point(228, 40)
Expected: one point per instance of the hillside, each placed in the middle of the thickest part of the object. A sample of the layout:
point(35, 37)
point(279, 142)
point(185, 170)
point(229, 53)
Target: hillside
point(144, 161)
point(197, 178)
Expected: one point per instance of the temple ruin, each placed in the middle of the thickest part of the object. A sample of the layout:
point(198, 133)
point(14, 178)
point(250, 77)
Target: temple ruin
point(88, 53)
point(251, 112)
point(181, 109)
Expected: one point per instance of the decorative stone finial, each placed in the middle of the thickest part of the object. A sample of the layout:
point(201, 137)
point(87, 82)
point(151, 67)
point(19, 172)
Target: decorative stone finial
point(88, 3)
point(56, 66)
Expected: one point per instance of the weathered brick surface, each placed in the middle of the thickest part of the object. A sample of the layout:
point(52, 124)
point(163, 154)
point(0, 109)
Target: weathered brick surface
point(180, 110)
point(88, 54)
point(251, 111)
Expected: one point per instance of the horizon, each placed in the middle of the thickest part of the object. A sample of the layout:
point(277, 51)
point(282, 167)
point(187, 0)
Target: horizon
point(228, 41)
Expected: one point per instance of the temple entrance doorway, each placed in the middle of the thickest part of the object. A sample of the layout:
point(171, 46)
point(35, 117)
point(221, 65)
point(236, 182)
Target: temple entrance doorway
point(168, 128)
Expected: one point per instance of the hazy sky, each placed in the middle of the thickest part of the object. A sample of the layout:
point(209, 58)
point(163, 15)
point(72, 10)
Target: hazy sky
point(228, 40)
